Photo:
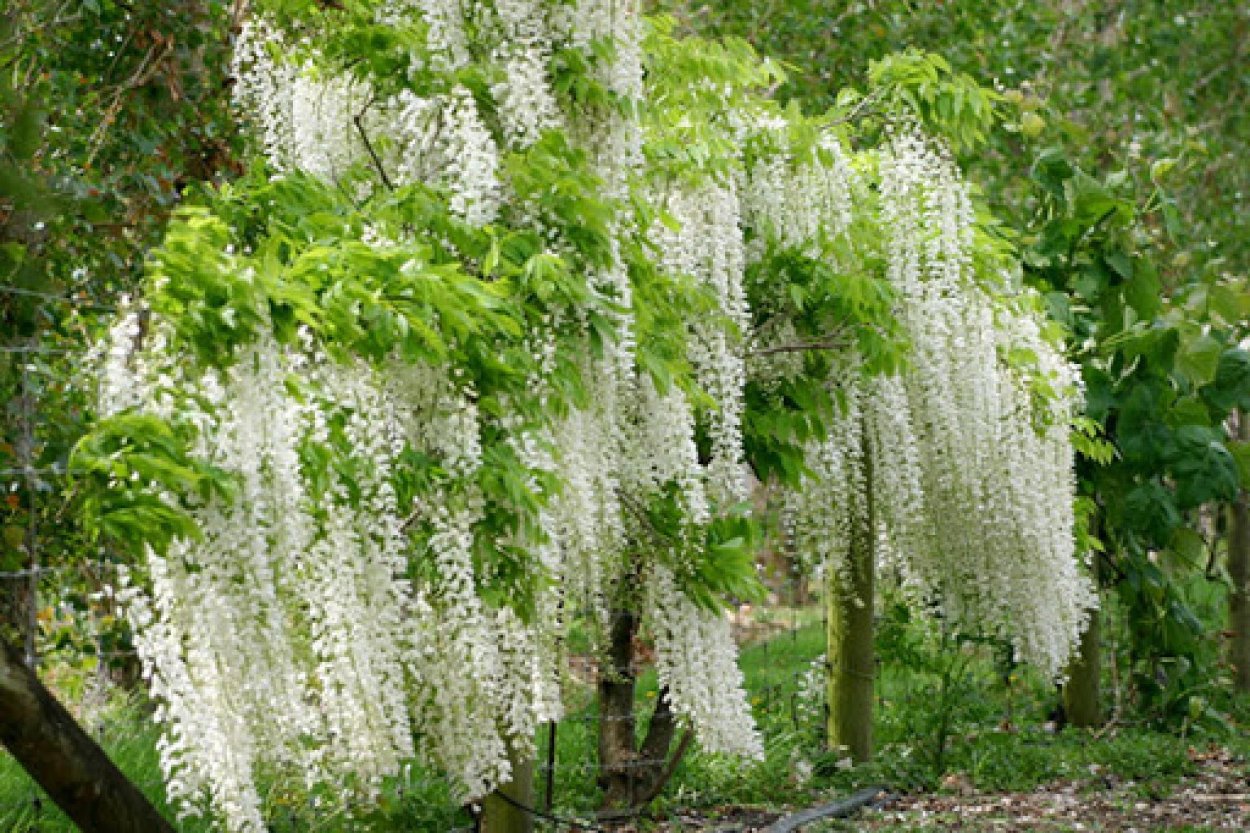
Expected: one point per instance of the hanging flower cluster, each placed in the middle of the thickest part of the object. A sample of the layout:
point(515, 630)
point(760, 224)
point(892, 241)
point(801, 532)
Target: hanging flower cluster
point(696, 658)
point(707, 244)
point(478, 351)
point(273, 637)
point(971, 463)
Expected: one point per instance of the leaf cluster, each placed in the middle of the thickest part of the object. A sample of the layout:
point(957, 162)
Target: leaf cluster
point(138, 479)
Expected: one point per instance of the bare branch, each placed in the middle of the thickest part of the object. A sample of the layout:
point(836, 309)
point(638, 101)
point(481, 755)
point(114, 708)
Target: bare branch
point(833, 343)
point(158, 52)
point(863, 108)
point(358, 120)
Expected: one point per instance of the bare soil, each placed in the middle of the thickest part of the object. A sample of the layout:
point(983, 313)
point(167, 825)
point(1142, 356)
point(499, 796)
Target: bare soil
point(1216, 797)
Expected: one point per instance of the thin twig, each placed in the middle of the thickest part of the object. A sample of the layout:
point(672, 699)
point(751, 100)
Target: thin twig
point(801, 347)
point(141, 76)
point(358, 120)
point(412, 518)
point(861, 108)
point(24, 35)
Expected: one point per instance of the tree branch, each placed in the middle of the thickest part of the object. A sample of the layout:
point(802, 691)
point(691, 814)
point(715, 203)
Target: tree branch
point(862, 109)
point(834, 343)
point(157, 53)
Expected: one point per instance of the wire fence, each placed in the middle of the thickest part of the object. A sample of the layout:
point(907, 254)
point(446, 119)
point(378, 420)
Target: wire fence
point(42, 359)
point(46, 575)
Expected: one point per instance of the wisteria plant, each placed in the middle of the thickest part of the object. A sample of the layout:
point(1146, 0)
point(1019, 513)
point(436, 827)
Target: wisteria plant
point(519, 301)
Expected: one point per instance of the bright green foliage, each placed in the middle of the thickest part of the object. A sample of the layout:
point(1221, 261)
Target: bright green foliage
point(948, 103)
point(116, 466)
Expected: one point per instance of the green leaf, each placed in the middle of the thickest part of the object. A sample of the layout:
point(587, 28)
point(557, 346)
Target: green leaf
point(1150, 508)
point(1202, 466)
point(1199, 358)
point(1143, 291)
point(1240, 450)
point(1189, 546)
point(1231, 386)
point(1120, 263)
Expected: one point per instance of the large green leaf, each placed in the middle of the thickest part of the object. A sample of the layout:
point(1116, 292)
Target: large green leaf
point(1202, 466)
point(1231, 387)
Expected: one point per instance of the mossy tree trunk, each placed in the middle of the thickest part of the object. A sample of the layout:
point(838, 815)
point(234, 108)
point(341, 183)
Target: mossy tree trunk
point(1082, 693)
point(507, 809)
point(849, 609)
point(1239, 578)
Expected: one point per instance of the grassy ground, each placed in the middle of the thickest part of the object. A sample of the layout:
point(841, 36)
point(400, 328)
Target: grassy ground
point(131, 742)
point(951, 721)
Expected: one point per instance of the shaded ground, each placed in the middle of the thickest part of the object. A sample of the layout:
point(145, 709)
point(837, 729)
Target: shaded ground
point(1216, 797)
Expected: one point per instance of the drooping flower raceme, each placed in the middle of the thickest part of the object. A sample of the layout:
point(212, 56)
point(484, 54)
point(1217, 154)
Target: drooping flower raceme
point(971, 463)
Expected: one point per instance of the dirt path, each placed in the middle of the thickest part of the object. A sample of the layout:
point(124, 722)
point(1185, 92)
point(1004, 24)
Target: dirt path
point(1216, 797)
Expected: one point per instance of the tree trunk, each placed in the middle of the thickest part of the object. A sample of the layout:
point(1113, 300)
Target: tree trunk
point(632, 775)
point(617, 758)
point(1239, 577)
point(506, 810)
point(849, 606)
point(1082, 693)
point(64, 760)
